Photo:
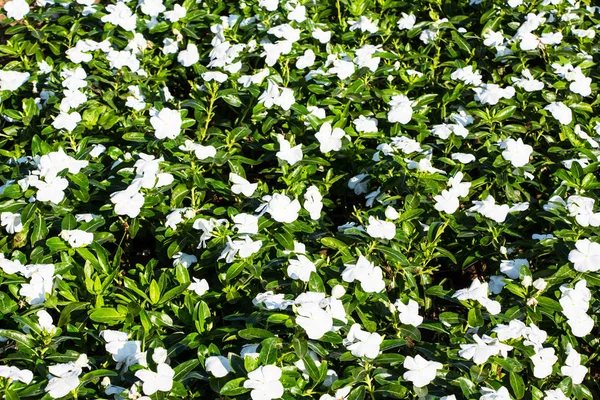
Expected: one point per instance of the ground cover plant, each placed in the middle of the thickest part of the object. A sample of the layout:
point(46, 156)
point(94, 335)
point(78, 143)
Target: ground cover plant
point(336, 199)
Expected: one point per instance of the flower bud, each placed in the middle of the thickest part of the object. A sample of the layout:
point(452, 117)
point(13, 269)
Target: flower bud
point(540, 284)
point(391, 213)
point(338, 291)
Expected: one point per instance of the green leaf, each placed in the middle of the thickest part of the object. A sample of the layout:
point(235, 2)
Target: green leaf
point(96, 374)
point(475, 318)
point(505, 113)
point(311, 368)
point(234, 388)
point(254, 333)
point(154, 292)
point(357, 393)
point(393, 391)
point(315, 283)
point(461, 42)
point(106, 315)
point(40, 230)
point(517, 384)
point(184, 368)
point(269, 350)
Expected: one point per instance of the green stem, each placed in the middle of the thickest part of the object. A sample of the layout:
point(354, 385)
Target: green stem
point(210, 114)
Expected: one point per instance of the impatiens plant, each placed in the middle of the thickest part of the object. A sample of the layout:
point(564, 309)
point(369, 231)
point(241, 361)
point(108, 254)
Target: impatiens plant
point(297, 199)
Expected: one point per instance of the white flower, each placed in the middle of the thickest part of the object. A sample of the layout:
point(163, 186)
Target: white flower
point(16, 374)
point(170, 46)
point(338, 291)
point(288, 153)
point(582, 208)
point(282, 208)
point(67, 121)
point(189, 56)
point(581, 324)
point(561, 112)
point(409, 313)
point(300, 268)
point(166, 123)
point(161, 380)
point(359, 183)
point(364, 24)
point(297, 14)
point(401, 109)
point(120, 14)
point(330, 139)
point(199, 286)
point(391, 213)
point(77, 237)
point(11, 222)
point(201, 152)
point(314, 320)
point(40, 284)
point(364, 271)
point(63, 378)
point(528, 83)
point(244, 247)
point(468, 75)
point(45, 321)
point(496, 284)
point(313, 203)
point(483, 348)
point(447, 202)
point(363, 344)
point(381, 229)
point(321, 35)
point(365, 124)
point(555, 394)
point(489, 209)
point(16, 9)
point(573, 367)
point(272, 301)
point(492, 38)
point(517, 152)
point(127, 202)
point(491, 394)
point(97, 150)
point(241, 185)
point(246, 223)
point(187, 260)
point(50, 190)
point(512, 268)
point(420, 371)
point(407, 21)
point(152, 8)
point(340, 394)
point(274, 95)
point(543, 360)
point(176, 14)
point(214, 76)
point(125, 352)
point(307, 60)
point(490, 93)
point(514, 330)
point(423, 165)
point(250, 350)
point(264, 380)
point(343, 69)
point(12, 80)
point(586, 257)
point(218, 366)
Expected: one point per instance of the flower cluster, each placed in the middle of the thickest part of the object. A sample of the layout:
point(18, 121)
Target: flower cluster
point(289, 199)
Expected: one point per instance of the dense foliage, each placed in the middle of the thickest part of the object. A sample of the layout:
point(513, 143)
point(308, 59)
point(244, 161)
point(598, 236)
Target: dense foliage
point(337, 199)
